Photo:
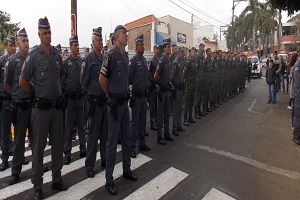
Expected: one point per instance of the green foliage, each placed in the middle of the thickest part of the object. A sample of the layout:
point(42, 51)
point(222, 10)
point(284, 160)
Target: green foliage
point(288, 5)
point(6, 27)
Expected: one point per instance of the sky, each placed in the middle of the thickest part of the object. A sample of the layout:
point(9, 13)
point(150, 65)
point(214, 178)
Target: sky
point(108, 14)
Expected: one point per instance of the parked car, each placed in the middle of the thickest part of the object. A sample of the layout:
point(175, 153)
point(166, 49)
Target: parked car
point(256, 67)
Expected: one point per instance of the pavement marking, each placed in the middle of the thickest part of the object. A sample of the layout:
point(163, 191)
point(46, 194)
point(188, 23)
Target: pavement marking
point(159, 186)
point(252, 105)
point(26, 185)
point(47, 159)
point(255, 163)
point(215, 194)
point(89, 185)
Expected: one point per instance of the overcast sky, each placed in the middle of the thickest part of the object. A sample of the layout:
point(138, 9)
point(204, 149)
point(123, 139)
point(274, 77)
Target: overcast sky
point(110, 13)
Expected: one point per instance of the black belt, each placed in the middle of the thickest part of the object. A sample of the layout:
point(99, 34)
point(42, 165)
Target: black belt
point(5, 96)
point(23, 104)
point(120, 98)
point(99, 100)
point(74, 95)
point(45, 104)
point(140, 93)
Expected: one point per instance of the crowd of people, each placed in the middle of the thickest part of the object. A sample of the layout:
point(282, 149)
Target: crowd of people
point(49, 93)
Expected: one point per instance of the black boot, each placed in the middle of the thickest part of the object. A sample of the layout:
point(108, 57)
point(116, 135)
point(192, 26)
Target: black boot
point(207, 109)
point(197, 112)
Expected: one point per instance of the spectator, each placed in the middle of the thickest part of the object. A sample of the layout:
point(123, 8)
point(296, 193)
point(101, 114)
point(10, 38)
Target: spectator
point(281, 74)
point(270, 79)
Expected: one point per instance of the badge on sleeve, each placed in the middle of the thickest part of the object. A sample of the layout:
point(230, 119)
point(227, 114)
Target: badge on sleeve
point(5, 67)
point(82, 68)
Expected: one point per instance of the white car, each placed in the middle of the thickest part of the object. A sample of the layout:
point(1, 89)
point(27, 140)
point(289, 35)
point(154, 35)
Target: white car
point(256, 67)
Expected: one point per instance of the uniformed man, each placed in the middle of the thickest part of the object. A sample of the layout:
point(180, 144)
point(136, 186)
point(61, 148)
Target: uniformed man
point(173, 56)
point(90, 73)
point(5, 100)
point(152, 88)
point(199, 82)
point(86, 52)
point(177, 81)
point(74, 110)
point(190, 71)
point(20, 107)
point(138, 76)
point(114, 81)
point(207, 80)
point(42, 72)
point(162, 77)
point(104, 51)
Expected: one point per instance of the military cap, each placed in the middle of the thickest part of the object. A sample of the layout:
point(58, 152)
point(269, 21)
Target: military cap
point(119, 27)
point(11, 38)
point(97, 31)
point(112, 37)
point(73, 39)
point(43, 23)
point(87, 49)
point(139, 38)
point(104, 48)
point(156, 46)
point(180, 49)
point(202, 44)
point(66, 51)
point(167, 41)
point(22, 32)
point(208, 49)
point(58, 47)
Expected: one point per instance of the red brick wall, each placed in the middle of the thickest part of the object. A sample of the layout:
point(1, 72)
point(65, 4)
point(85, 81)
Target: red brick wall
point(133, 33)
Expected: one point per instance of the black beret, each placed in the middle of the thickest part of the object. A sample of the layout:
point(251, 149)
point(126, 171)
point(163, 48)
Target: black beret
point(180, 49)
point(22, 32)
point(167, 41)
point(97, 31)
point(139, 38)
point(73, 39)
point(156, 46)
point(208, 49)
point(11, 39)
point(58, 47)
point(119, 27)
point(43, 23)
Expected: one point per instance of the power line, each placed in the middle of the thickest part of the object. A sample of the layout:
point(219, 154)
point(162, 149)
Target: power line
point(130, 9)
point(216, 9)
point(173, 7)
point(138, 7)
point(192, 14)
point(200, 11)
point(142, 6)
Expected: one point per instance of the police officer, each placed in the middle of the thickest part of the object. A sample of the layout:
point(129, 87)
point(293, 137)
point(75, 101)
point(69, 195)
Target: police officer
point(138, 76)
point(74, 110)
point(42, 72)
point(177, 81)
point(199, 82)
point(5, 100)
point(173, 56)
point(114, 81)
point(90, 73)
point(20, 107)
point(190, 71)
point(162, 77)
point(152, 88)
point(207, 80)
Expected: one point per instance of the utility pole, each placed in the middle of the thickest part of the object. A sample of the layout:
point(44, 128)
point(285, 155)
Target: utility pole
point(73, 17)
point(233, 7)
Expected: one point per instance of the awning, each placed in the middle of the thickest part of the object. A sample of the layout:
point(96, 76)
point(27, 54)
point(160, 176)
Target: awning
point(161, 36)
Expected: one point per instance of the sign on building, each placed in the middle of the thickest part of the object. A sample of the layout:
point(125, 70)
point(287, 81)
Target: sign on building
point(181, 38)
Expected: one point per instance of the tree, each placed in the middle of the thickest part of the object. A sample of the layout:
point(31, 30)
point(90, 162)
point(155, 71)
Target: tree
point(6, 27)
point(288, 5)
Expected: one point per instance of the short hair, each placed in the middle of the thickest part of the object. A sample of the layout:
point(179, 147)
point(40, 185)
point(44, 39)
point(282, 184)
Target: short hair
point(165, 45)
point(275, 52)
point(271, 61)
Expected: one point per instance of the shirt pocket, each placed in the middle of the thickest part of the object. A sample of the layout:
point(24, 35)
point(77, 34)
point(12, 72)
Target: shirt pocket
point(57, 67)
point(41, 70)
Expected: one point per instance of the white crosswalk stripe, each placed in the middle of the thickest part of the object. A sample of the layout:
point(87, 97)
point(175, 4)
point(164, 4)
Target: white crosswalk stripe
point(47, 159)
point(215, 194)
point(159, 186)
point(154, 189)
point(87, 186)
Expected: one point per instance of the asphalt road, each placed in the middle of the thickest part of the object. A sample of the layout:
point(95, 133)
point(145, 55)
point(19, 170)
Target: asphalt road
point(243, 150)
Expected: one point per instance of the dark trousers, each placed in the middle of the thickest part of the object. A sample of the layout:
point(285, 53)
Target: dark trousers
point(23, 122)
point(296, 119)
point(75, 110)
point(177, 110)
point(122, 126)
point(163, 113)
point(138, 122)
point(98, 131)
point(153, 108)
point(5, 129)
point(44, 122)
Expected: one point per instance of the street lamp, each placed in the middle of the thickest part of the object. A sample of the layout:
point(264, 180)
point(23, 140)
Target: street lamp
point(233, 7)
